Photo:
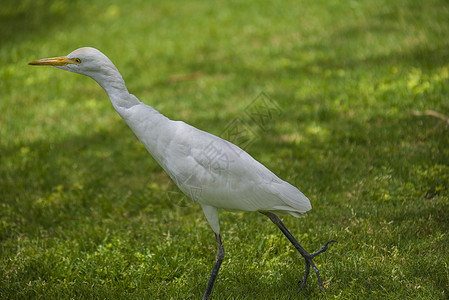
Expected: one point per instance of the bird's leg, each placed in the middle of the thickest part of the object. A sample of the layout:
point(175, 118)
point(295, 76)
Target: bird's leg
point(219, 260)
point(307, 256)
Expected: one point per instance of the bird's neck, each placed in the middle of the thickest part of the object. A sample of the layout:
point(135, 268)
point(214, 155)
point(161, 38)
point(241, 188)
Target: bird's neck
point(115, 87)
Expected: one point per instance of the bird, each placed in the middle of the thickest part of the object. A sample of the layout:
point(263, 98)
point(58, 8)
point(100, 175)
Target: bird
point(211, 171)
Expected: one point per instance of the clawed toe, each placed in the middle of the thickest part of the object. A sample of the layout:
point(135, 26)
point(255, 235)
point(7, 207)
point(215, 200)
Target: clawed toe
point(309, 262)
point(324, 248)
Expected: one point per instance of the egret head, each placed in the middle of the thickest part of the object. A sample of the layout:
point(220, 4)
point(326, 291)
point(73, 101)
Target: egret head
point(87, 61)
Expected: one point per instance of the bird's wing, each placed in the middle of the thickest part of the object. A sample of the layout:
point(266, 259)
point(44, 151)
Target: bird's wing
point(215, 172)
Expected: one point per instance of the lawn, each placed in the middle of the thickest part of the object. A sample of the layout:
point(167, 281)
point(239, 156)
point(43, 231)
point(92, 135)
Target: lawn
point(358, 95)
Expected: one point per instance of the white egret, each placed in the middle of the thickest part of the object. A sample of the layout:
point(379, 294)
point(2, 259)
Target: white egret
point(209, 170)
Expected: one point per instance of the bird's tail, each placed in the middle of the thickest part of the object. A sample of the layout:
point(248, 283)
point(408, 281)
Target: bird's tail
point(296, 203)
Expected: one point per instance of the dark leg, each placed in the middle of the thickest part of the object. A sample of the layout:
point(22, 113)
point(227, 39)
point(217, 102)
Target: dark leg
point(308, 257)
point(220, 257)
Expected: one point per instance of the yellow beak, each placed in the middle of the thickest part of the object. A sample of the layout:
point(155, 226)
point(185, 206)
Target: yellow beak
point(54, 61)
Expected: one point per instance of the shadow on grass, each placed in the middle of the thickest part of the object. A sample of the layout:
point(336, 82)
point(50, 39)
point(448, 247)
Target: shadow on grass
point(338, 51)
point(20, 20)
point(46, 184)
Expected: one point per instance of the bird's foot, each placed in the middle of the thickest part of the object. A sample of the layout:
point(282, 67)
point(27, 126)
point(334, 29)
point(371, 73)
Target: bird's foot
point(309, 262)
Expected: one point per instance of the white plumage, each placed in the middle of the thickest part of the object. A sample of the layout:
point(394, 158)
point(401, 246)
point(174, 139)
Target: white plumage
point(209, 170)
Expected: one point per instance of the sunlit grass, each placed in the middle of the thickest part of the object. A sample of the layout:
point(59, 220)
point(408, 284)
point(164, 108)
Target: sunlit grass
point(87, 213)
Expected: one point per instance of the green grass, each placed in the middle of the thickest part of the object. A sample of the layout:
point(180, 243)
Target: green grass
point(86, 213)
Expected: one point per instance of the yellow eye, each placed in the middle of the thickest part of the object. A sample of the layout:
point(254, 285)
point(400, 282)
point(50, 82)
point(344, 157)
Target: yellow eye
point(78, 60)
